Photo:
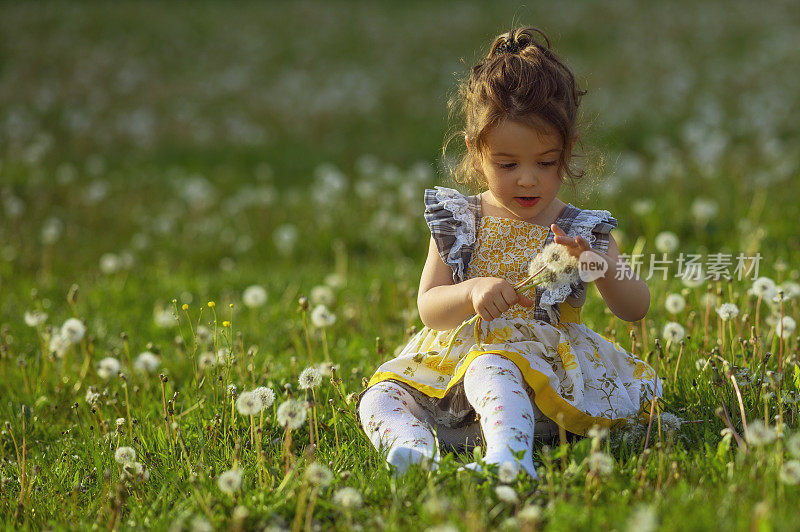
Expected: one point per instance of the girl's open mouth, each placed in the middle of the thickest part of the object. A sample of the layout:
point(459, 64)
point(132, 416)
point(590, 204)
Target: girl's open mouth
point(527, 201)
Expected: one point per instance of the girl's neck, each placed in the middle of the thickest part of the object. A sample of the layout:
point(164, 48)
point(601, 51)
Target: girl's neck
point(548, 216)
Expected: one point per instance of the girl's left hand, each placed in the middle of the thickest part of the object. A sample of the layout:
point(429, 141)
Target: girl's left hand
point(575, 246)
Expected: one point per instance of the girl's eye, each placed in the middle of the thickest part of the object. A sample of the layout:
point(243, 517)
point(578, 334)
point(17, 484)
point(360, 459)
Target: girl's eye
point(550, 163)
point(509, 165)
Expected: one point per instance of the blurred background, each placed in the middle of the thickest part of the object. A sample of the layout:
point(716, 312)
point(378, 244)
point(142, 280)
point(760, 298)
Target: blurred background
point(151, 151)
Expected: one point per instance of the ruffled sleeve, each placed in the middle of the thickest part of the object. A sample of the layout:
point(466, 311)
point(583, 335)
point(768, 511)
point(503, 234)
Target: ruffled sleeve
point(592, 225)
point(453, 220)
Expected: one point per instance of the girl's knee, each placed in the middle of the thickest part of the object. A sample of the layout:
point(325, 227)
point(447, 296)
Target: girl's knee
point(496, 364)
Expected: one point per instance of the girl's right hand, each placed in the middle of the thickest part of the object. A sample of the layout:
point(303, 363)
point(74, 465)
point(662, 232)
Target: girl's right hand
point(491, 296)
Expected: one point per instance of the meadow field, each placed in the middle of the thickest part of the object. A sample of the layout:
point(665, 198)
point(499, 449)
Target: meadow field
point(201, 201)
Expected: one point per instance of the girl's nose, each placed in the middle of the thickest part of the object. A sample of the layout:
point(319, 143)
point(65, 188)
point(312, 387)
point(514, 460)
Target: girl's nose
point(527, 179)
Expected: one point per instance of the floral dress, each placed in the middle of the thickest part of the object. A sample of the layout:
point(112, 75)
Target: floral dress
point(569, 369)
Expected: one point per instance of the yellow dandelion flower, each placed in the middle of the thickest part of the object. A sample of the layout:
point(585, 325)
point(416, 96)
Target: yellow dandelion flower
point(211, 304)
point(185, 306)
point(226, 323)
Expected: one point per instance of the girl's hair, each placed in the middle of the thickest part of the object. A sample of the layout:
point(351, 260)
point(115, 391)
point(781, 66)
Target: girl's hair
point(523, 80)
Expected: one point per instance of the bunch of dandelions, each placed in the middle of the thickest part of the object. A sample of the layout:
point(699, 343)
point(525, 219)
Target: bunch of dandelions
point(553, 268)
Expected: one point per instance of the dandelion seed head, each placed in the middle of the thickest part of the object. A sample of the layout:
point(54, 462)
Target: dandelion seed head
point(666, 242)
point(267, 396)
point(727, 311)
point(124, 455)
point(321, 317)
point(642, 519)
point(348, 498)
point(791, 289)
point(73, 330)
point(146, 362)
point(164, 318)
point(207, 360)
point(59, 344)
point(200, 524)
point(310, 378)
point(507, 472)
point(35, 318)
point(506, 494)
point(785, 327)
point(601, 464)
point(531, 513)
point(673, 331)
point(674, 303)
point(92, 397)
point(230, 481)
point(249, 404)
point(318, 474)
point(790, 472)
point(108, 367)
point(596, 432)
point(322, 295)
point(670, 422)
point(291, 414)
point(232, 390)
point(763, 287)
point(254, 296)
point(793, 444)
point(758, 434)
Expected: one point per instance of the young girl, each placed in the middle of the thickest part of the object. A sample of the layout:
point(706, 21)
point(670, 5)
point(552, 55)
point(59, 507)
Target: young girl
point(535, 363)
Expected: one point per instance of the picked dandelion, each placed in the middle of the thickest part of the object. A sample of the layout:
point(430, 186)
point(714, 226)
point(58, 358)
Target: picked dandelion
point(551, 268)
point(230, 481)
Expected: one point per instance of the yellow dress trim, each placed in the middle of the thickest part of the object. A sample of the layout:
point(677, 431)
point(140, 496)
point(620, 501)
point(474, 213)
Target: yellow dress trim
point(546, 398)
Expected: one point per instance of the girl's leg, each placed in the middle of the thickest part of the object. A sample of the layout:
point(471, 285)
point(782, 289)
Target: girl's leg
point(392, 418)
point(495, 388)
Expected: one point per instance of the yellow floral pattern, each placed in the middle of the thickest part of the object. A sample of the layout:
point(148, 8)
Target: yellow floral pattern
point(570, 368)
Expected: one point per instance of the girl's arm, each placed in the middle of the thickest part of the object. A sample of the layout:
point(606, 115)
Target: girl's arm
point(627, 296)
point(443, 305)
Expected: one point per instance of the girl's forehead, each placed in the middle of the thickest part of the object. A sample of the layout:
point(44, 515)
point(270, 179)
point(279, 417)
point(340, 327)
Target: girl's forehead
point(514, 135)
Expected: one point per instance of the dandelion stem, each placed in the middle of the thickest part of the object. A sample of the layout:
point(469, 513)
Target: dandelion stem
point(308, 337)
point(741, 404)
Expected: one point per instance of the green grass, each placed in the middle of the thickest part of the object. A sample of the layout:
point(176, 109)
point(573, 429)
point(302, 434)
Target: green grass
point(173, 121)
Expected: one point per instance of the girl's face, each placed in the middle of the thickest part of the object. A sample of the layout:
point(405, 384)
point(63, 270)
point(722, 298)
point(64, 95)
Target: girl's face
point(521, 168)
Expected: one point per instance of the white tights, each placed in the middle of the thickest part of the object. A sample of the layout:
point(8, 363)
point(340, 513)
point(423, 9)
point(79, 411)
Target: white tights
point(495, 389)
